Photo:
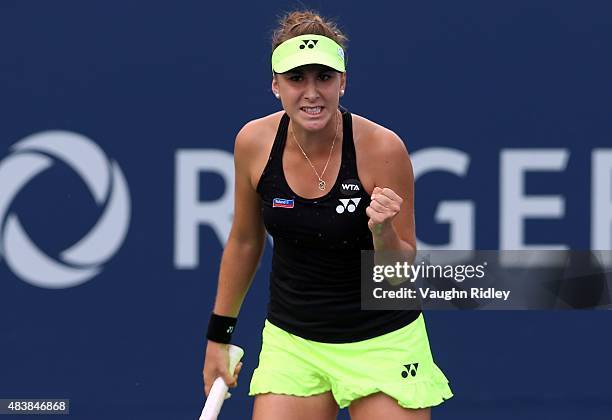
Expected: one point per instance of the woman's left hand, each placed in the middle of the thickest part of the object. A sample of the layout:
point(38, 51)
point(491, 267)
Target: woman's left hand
point(384, 206)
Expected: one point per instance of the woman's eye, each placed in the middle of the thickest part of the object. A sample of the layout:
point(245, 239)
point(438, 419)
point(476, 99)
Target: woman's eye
point(324, 77)
point(295, 78)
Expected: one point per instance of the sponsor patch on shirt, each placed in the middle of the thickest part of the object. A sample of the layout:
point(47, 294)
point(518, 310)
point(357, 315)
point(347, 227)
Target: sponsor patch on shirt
point(282, 202)
point(350, 187)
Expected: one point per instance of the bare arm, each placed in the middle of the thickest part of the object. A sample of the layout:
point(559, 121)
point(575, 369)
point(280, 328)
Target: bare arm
point(246, 240)
point(240, 257)
point(392, 209)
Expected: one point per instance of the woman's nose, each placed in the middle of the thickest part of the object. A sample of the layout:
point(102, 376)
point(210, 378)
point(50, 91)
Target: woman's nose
point(312, 91)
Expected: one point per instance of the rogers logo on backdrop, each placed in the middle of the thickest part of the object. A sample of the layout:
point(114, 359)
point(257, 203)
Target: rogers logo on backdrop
point(83, 260)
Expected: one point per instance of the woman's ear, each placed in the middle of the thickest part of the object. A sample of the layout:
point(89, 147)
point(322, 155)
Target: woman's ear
point(275, 87)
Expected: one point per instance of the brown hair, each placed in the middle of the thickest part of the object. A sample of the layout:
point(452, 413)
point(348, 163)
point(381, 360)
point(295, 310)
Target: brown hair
point(302, 22)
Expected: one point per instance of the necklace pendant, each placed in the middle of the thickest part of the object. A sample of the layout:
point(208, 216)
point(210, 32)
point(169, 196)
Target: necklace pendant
point(322, 185)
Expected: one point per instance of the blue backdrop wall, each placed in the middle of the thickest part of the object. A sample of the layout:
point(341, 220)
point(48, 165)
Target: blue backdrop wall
point(118, 122)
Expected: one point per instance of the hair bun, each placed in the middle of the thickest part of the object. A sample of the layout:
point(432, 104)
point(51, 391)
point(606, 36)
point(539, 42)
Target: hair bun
point(302, 22)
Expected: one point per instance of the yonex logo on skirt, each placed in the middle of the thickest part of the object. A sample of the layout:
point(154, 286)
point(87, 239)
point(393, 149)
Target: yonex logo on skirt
point(411, 369)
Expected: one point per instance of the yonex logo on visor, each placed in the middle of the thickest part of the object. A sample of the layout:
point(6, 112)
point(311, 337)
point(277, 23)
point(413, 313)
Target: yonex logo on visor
point(308, 49)
point(310, 43)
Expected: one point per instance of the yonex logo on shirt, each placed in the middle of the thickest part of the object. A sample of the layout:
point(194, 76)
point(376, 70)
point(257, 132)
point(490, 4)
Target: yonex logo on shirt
point(349, 204)
point(411, 369)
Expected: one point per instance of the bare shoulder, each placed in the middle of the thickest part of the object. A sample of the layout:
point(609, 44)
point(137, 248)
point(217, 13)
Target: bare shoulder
point(253, 145)
point(381, 153)
point(256, 133)
point(374, 138)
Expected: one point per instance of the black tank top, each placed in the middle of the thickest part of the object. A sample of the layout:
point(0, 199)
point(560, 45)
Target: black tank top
point(315, 278)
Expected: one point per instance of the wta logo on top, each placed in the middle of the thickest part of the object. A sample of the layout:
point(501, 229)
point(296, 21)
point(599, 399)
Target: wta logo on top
point(515, 204)
point(29, 158)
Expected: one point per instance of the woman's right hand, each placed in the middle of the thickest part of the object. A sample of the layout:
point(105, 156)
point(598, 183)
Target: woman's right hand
point(216, 364)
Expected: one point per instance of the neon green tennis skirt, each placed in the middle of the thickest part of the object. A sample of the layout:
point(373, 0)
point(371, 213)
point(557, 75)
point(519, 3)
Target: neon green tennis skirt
point(398, 364)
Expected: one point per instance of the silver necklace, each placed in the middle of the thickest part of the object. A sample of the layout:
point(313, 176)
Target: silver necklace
point(321, 181)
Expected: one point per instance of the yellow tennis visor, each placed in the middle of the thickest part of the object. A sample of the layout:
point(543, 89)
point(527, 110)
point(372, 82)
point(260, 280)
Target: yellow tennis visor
point(308, 49)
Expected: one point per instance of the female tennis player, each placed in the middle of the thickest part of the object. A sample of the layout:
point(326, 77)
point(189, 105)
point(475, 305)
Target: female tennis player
point(325, 184)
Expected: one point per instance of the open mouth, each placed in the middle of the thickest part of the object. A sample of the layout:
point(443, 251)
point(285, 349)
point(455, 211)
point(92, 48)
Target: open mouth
point(312, 110)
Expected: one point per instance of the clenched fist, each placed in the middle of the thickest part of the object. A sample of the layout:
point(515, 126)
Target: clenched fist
point(383, 208)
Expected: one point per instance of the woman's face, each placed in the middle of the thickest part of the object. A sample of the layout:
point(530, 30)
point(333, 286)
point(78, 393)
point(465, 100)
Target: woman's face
point(310, 94)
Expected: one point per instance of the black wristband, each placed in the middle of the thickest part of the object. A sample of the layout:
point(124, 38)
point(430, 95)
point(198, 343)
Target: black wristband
point(220, 328)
